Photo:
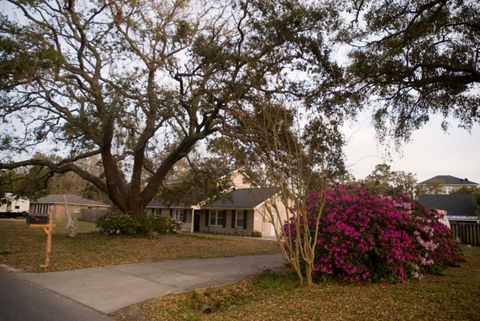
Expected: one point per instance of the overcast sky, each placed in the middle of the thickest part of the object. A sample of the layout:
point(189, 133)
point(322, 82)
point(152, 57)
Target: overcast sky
point(431, 151)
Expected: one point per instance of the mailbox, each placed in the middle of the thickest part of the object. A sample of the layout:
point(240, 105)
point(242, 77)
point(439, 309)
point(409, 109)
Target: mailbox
point(45, 224)
point(37, 220)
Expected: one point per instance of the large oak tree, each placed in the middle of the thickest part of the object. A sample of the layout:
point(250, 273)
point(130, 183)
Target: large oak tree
point(140, 83)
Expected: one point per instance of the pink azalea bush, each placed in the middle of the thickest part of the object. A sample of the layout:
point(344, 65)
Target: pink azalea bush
point(366, 237)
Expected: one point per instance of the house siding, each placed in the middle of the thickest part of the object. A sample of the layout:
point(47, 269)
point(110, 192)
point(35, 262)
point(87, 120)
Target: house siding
point(187, 225)
point(228, 226)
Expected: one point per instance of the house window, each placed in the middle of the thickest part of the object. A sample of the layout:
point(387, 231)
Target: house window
point(179, 215)
point(239, 219)
point(217, 218)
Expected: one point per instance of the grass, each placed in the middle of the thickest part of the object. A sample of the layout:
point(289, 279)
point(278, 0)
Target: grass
point(24, 248)
point(275, 296)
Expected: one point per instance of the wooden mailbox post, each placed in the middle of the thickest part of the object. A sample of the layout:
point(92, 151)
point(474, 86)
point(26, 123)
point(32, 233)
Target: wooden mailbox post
point(47, 229)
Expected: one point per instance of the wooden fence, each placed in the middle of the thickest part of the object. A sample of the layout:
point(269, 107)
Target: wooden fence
point(466, 232)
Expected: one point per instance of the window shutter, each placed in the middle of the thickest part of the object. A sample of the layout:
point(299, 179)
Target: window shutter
point(245, 215)
point(207, 212)
point(224, 218)
point(234, 218)
point(171, 212)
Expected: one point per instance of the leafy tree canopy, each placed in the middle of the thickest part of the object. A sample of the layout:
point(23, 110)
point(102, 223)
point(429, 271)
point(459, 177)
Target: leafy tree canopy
point(415, 58)
point(141, 83)
point(276, 145)
point(384, 181)
point(194, 179)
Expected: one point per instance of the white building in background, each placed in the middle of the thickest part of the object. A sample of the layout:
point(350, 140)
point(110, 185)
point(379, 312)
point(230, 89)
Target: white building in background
point(445, 184)
point(13, 206)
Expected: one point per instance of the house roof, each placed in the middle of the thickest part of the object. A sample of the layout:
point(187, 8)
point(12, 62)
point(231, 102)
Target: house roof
point(158, 203)
point(449, 180)
point(70, 198)
point(242, 198)
point(461, 204)
point(163, 203)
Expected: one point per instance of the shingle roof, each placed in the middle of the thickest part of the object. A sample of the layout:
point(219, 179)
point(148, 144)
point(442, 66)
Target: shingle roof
point(449, 180)
point(158, 203)
point(163, 203)
point(71, 199)
point(455, 204)
point(243, 198)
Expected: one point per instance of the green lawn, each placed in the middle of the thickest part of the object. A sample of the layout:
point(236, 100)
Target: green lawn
point(452, 296)
point(24, 248)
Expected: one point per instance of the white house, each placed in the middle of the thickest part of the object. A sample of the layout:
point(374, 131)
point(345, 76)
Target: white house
point(445, 184)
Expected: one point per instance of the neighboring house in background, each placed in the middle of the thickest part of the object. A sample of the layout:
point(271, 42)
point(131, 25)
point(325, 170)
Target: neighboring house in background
point(445, 184)
point(459, 206)
point(13, 206)
point(240, 210)
point(77, 206)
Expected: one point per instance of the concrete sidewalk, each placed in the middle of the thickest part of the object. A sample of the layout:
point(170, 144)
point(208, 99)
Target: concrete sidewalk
point(21, 300)
point(107, 289)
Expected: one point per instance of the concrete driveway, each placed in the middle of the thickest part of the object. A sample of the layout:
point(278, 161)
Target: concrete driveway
point(107, 289)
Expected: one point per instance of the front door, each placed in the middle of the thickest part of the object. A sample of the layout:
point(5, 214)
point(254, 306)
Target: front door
point(196, 221)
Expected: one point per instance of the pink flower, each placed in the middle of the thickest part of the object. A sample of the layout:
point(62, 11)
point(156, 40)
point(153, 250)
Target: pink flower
point(366, 237)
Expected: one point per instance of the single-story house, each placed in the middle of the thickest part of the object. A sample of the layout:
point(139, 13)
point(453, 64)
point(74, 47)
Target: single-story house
point(445, 184)
point(243, 211)
point(459, 206)
point(76, 205)
point(180, 212)
point(240, 211)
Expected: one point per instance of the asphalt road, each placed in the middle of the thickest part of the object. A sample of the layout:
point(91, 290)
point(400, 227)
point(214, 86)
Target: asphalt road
point(22, 300)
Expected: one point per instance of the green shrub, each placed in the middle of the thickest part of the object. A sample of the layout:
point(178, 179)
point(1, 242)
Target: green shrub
point(157, 224)
point(114, 223)
point(256, 234)
point(120, 224)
